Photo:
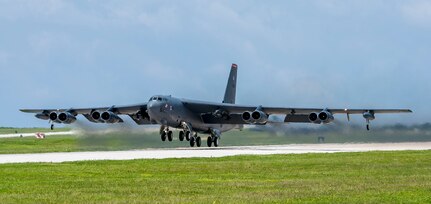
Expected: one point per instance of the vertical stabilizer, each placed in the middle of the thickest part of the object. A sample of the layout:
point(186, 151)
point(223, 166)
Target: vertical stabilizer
point(230, 94)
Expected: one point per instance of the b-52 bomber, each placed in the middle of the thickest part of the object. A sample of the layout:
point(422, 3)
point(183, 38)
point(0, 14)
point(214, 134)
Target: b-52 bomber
point(198, 117)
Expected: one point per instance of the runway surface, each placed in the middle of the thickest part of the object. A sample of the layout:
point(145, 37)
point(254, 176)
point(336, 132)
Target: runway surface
point(33, 134)
point(211, 152)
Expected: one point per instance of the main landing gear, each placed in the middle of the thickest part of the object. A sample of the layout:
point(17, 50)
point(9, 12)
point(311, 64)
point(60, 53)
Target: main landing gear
point(166, 134)
point(192, 137)
point(195, 140)
point(184, 135)
point(213, 140)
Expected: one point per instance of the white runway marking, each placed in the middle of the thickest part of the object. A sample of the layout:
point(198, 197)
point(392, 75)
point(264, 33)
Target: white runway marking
point(211, 152)
point(34, 134)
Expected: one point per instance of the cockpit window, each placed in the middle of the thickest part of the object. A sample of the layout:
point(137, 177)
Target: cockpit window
point(158, 98)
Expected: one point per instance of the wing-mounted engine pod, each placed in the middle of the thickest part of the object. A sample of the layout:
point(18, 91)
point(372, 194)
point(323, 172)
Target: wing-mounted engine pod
point(314, 118)
point(259, 117)
point(97, 116)
point(66, 118)
point(326, 116)
point(53, 116)
point(110, 117)
point(255, 117)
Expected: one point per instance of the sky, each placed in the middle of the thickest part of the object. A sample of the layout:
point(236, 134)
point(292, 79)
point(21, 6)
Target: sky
point(290, 53)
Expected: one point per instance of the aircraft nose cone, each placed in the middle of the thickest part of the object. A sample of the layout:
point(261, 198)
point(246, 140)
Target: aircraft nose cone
point(153, 107)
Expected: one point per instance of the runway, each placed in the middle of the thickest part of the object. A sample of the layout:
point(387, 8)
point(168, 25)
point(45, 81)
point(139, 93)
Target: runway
point(210, 152)
point(33, 134)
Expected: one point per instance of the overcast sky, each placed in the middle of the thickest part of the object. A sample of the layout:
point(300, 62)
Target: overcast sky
point(355, 54)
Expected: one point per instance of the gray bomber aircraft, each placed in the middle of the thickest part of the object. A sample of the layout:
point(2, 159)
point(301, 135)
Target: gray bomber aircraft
point(193, 117)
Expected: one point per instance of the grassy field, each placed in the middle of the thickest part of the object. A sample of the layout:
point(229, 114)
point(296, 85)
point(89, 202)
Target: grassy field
point(133, 140)
point(373, 177)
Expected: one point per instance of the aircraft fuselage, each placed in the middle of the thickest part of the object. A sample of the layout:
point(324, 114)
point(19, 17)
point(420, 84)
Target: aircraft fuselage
point(170, 111)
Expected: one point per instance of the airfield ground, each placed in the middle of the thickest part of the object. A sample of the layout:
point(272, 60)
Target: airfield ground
point(115, 141)
point(365, 177)
point(372, 177)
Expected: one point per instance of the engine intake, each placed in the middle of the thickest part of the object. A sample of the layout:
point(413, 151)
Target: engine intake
point(110, 117)
point(326, 117)
point(97, 117)
point(53, 116)
point(246, 116)
point(314, 118)
point(255, 117)
point(259, 117)
point(66, 118)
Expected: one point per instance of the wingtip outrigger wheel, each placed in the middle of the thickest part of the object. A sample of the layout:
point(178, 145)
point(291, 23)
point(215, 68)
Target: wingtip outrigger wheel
point(52, 126)
point(369, 115)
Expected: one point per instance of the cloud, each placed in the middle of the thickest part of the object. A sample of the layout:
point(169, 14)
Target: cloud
point(289, 52)
point(418, 12)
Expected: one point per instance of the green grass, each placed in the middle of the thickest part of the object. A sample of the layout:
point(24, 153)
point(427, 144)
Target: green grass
point(126, 141)
point(374, 177)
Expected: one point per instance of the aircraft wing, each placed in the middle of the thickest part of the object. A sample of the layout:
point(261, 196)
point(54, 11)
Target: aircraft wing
point(121, 110)
point(292, 114)
point(130, 110)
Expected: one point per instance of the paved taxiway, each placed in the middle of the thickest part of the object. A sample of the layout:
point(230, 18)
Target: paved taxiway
point(211, 152)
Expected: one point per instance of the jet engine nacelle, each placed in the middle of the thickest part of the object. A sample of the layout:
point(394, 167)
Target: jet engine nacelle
point(326, 117)
point(314, 118)
point(66, 118)
point(259, 117)
point(97, 117)
point(255, 117)
point(53, 116)
point(110, 117)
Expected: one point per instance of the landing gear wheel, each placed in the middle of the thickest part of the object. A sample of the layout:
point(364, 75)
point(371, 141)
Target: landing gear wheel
point(170, 136)
point(198, 141)
point(209, 141)
point(188, 135)
point(163, 136)
point(368, 127)
point(216, 141)
point(52, 126)
point(181, 136)
point(192, 142)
